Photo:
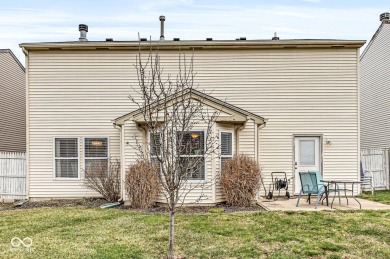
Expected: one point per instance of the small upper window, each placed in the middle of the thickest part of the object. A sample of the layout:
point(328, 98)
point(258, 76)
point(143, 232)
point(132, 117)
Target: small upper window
point(226, 143)
point(96, 152)
point(66, 158)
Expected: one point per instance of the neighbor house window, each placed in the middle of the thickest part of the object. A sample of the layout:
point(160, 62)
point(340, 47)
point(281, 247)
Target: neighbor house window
point(95, 153)
point(191, 149)
point(66, 157)
point(155, 144)
point(226, 144)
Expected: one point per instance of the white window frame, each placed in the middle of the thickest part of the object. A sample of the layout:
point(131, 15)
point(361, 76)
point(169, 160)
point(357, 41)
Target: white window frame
point(220, 146)
point(91, 158)
point(55, 158)
point(204, 155)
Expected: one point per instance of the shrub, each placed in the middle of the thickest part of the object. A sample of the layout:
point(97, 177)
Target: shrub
point(104, 177)
point(240, 180)
point(142, 185)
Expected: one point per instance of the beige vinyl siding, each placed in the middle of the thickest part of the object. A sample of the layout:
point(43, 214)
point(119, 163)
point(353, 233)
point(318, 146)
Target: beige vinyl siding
point(375, 91)
point(64, 102)
point(246, 139)
point(299, 91)
point(12, 104)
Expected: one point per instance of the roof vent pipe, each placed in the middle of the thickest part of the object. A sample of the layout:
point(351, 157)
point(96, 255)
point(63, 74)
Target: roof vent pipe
point(275, 37)
point(384, 17)
point(162, 20)
point(83, 28)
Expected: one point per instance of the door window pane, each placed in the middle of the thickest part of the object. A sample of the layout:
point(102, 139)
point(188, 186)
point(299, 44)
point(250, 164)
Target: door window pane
point(306, 152)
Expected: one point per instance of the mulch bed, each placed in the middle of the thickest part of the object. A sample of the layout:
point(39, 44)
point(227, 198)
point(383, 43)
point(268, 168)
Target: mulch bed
point(96, 202)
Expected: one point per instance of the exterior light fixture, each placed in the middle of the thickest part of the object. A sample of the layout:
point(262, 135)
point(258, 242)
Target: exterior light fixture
point(328, 142)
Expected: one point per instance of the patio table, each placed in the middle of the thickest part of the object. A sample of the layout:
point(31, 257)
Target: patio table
point(344, 183)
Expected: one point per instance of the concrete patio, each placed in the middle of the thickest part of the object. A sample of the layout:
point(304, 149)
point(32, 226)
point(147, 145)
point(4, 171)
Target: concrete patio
point(285, 204)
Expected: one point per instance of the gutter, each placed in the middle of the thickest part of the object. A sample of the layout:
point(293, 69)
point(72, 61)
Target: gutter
point(194, 44)
point(27, 126)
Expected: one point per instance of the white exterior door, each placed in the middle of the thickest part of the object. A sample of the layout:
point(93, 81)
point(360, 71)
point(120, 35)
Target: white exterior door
point(307, 157)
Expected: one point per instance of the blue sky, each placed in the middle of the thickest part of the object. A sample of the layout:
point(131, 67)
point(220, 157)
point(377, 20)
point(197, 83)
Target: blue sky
point(44, 20)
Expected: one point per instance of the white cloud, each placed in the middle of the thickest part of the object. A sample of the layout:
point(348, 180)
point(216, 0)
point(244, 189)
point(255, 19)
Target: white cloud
point(188, 20)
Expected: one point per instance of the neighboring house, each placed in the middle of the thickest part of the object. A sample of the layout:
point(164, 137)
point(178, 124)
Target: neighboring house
point(375, 88)
point(292, 100)
point(12, 103)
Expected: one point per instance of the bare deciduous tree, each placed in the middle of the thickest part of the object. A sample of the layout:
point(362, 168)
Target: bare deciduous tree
point(170, 114)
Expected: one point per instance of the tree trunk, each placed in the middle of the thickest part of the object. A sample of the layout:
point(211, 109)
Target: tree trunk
point(171, 234)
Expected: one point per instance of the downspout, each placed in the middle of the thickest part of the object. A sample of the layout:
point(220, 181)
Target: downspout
point(257, 154)
point(27, 126)
point(121, 129)
point(358, 114)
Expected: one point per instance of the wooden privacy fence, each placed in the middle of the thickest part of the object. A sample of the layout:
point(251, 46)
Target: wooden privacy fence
point(12, 175)
point(377, 162)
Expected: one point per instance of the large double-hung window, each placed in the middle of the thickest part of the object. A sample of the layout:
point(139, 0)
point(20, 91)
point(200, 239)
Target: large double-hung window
point(95, 153)
point(66, 157)
point(191, 152)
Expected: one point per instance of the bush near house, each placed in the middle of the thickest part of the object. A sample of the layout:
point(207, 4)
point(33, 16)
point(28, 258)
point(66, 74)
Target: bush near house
point(104, 177)
point(142, 186)
point(240, 180)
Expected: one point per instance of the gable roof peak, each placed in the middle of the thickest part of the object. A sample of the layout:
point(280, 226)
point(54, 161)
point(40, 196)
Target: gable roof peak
point(200, 96)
